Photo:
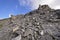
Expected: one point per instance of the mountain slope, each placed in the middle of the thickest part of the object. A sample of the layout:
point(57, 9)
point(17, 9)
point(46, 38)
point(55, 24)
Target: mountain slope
point(40, 24)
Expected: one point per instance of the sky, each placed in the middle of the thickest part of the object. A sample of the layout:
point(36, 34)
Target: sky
point(16, 7)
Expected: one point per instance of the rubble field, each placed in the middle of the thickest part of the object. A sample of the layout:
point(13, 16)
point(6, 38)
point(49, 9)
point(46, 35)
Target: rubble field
point(40, 24)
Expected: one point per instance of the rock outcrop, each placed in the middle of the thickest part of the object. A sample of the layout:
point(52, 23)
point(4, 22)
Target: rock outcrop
point(40, 24)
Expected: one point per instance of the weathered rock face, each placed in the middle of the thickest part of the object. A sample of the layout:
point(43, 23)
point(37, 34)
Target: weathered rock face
point(40, 24)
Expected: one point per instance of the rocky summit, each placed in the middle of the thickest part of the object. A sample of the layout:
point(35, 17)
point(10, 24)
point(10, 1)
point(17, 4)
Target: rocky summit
point(40, 24)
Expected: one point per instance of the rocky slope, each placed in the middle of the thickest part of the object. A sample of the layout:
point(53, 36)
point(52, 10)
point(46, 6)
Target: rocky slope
point(40, 24)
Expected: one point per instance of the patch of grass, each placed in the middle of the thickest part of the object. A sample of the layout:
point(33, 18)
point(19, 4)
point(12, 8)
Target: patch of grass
point(1, 25)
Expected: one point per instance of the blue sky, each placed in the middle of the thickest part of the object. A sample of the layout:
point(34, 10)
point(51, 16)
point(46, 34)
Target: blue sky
point(16, 7)
point(12, 7)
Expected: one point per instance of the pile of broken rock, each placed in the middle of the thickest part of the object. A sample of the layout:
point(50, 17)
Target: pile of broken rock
point(40, 24)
